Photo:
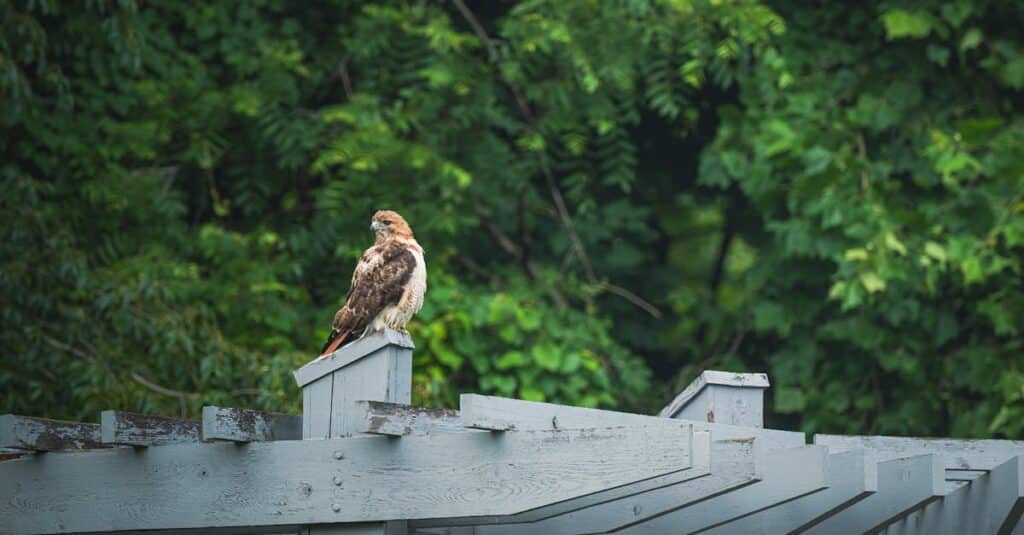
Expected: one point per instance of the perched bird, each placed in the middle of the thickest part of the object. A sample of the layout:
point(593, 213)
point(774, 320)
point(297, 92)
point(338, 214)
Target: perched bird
point(387, 286)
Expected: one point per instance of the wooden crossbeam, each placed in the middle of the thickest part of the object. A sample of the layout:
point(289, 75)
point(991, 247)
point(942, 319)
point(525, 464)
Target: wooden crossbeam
point(904, 485)
point(786, 475)
point(550, 519)
point(957, 454)
point(399, 419)
point(991, 503)
point(537, 415)
point(602, 512)
point(130, 429)
point(303, 482)
point(852, 476)
point(244, 425)
point(26, 433)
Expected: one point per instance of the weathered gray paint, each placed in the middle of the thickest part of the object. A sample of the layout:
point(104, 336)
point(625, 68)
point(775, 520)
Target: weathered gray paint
point(350, 353)
point(785, 475)
point(852, 476)
point(244, 425)
point(720, 467)
point(721, 397)
point(399, 419)
point(42, 434)
point(590, 508)
point(537, 415)
point(962, 454)
point(903, 486)
point(359, 479)
point(375, 368)
point(980, 506)
point(130, 429)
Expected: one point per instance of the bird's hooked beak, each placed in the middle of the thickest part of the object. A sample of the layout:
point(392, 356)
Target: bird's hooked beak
point(374, 226)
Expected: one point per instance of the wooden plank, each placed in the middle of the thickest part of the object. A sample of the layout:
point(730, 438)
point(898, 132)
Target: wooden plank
point(904, 485)
point(382, 376)
point(244, 425)
point(755, 382)
point(358, 479)
point(130, 429)
point(398, 419)
point(984, 505)
point(958, 454)
point(40, 434)
point(316, 403)
point(351, 353)
point(537, 518)
point(725, 467)
point(786, 475)
point(536, 415)
point(852, 476)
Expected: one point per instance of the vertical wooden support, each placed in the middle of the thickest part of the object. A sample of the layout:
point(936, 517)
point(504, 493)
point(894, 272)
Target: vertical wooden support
point(722, 397)
point(377, 367)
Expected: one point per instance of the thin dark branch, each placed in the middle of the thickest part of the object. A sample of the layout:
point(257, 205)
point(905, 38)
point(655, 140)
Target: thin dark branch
point(556, 195)
point(346, 80)
point(478, 28)
point(246, 392)
point(718, 271)
point(570, 229)
point(640, 302)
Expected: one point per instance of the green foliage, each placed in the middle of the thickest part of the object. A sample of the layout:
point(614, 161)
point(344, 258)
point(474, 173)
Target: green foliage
point(612, 197)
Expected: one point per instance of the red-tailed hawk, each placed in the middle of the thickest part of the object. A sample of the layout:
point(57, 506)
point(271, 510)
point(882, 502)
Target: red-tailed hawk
point(387, 286)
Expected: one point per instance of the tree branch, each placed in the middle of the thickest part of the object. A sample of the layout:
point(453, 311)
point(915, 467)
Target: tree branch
point(346, 80)
point(640, 302)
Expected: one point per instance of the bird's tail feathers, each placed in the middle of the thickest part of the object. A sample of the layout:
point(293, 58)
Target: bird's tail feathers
point(334, 341)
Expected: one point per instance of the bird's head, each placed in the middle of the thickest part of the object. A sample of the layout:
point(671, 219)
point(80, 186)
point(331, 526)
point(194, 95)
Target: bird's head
point(388, 224)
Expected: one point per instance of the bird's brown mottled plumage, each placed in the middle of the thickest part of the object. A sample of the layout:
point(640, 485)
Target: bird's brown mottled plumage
point(387, 286)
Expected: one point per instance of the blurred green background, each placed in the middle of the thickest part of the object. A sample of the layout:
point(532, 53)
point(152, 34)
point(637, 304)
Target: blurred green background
point(612, 196)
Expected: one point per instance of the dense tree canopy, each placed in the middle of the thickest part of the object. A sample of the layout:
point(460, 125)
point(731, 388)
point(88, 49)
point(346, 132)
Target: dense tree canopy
point(612, 196)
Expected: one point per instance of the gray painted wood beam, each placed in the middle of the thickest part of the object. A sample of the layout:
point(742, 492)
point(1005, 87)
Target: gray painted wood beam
point(720, 467)
point(359, 479)
point(984, 505)
point(537, 415)
point(143, 430)
point(399, 419)
point(350, 353)
point(723, 397)
point(903, 486)
point(958, 454)
point(244, 425)
point(700, 467)
point(784, 476)
point(852, 476)
point(25, 433)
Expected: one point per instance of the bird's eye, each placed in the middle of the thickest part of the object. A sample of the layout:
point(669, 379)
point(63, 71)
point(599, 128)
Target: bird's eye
point(386, 222)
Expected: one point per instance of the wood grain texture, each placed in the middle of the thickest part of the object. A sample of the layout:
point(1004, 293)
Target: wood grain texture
point(983, 506)
point(350, 353)
point(785, 476)
point(359, 479)
point(958, 454)
point(244, 425)
point(904, 485)
point(130, 429)
point(852, 476)
point(399, 419)
point(602, 511)
point(554, 519)
point(753, 381)
point(537, 415)
point(41, 434)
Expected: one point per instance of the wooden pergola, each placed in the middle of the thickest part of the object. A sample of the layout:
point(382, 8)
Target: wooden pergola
point(361, 460)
